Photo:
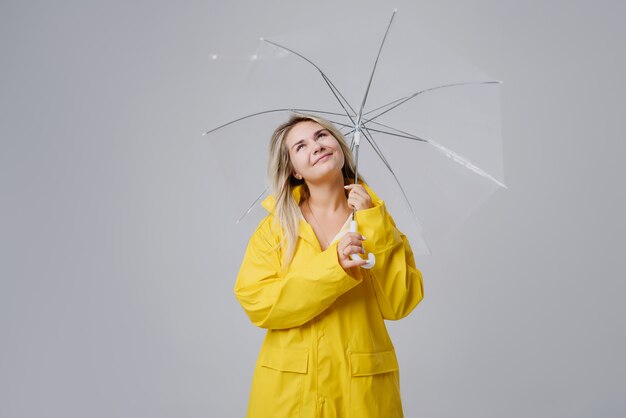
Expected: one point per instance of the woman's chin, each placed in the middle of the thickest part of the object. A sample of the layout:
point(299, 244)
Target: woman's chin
point(328, 175)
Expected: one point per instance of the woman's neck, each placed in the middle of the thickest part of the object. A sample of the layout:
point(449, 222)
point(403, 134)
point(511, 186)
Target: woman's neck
point(328, 197)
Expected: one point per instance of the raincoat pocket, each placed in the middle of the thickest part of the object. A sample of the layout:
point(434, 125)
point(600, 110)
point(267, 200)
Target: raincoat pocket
point(285, 360)
point(278, 384)
point(365, 364)
point(375, 385)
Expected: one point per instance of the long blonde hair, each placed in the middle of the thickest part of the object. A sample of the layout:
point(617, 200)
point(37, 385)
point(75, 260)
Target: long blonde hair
point(282, 182)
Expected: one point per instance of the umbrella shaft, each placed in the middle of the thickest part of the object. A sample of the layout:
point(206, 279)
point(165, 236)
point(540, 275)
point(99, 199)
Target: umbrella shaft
point(357, 142)
point(356, 164)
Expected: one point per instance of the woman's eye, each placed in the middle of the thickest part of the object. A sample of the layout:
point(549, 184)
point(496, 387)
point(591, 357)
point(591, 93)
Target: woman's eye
point(298, 147)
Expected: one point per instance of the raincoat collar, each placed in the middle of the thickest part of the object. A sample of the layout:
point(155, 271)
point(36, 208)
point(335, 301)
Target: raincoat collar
point(305, 231)
point(269, 203)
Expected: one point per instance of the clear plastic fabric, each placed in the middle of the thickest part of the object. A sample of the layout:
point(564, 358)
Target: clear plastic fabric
point(431, 145)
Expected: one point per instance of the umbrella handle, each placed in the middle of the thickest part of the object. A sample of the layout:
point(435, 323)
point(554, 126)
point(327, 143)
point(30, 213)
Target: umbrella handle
point(371, 258)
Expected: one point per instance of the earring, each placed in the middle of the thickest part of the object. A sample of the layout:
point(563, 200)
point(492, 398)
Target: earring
point(298, 176)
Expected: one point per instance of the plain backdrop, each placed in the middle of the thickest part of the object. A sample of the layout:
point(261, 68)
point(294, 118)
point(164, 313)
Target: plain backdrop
point(116, 275)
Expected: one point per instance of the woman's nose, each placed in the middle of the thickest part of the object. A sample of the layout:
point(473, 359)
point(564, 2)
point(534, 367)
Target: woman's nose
point(318, 147)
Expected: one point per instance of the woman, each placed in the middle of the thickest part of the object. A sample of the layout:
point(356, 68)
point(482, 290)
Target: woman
point(326, 352)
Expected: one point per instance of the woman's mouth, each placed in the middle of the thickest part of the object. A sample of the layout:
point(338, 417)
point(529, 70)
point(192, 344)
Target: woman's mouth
point(322, 158)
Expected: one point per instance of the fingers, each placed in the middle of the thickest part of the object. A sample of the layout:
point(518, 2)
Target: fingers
point(351, 238)
point(352, 249)
point(351, 243)
point(357, 203)
point(358, 198)
point(350, 263)
point(356, 190)
point(347, 261)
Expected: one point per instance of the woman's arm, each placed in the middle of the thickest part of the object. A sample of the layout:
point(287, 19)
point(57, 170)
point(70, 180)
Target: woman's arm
point(278, 300)
point(396, 280)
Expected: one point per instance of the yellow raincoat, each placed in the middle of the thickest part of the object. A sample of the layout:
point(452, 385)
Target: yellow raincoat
point(327, 352)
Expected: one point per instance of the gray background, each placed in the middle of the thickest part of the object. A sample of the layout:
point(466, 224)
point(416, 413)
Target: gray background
point(116, 282)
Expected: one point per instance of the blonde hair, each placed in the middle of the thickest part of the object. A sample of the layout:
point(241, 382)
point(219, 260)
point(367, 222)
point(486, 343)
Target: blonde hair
point(282, 182)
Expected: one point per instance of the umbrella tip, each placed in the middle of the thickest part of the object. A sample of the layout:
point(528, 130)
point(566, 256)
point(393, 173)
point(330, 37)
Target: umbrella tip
point(395, 10)
point(261, 38)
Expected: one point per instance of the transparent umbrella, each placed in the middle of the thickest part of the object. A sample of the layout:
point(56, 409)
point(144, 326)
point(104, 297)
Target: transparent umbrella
point(423, 123)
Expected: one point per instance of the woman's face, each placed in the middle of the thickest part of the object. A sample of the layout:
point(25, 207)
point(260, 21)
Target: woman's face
point(314, 152)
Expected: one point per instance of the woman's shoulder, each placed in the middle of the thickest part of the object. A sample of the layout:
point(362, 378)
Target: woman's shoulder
point(268, 228)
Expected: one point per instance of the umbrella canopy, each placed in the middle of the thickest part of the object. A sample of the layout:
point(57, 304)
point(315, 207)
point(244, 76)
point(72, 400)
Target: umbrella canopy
point(430, 122)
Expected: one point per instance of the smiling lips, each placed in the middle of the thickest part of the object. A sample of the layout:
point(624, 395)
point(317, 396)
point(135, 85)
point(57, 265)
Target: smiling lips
point(322, 157)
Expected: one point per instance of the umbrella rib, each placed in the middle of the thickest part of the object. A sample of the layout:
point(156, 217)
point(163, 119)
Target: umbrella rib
point(457, 158)
point(384, 106)
point(325, 112)
point(404, 133)
point(247, 212)
point(339, 97)
point(369, 83)
point(399, 102)
point(357, 126)
point(374, 144)
point(294, 110)
point(342, 124)
point(350, 132)
point(407, 136)
point(378, 151)
point(330, 84)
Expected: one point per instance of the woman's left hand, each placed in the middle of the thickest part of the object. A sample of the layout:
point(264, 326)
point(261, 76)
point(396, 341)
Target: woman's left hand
point(358, 198)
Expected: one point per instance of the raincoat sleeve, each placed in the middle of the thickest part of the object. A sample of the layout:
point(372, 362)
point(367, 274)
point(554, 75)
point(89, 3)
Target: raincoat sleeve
point(396, 280)
point(278, 300)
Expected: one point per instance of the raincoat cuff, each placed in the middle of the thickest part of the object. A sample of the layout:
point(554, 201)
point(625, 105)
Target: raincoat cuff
point(375, 224)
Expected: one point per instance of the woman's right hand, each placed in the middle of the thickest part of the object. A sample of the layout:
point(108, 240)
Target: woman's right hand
point(350, 243)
